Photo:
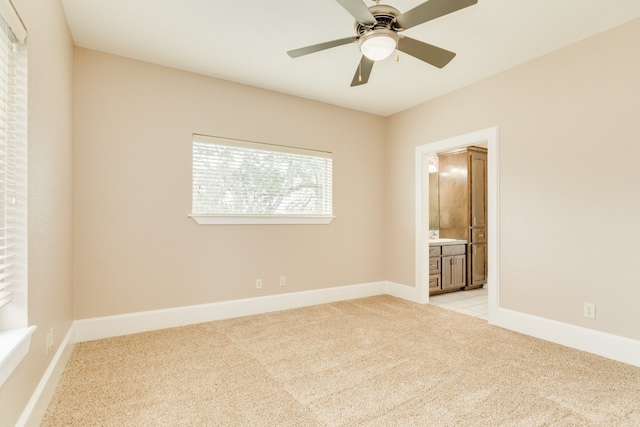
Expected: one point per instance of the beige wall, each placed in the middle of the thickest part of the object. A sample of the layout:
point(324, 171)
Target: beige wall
point(50, 195)
point(137, 250)
point(568, 179)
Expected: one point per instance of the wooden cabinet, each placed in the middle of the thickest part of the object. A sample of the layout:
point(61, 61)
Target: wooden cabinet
point(434, 283)
point(447, 268)
point(434, 269)
point(479, 268)
point(478, 188)
point(463, 206)
point(454, 267)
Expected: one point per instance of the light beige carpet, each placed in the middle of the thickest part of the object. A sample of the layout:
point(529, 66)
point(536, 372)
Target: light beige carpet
point(377, 361)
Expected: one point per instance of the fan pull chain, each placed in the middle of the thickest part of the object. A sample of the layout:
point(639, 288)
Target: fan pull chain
point(360, 72)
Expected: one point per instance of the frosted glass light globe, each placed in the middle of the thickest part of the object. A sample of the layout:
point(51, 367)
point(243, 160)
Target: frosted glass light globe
point(378, 44)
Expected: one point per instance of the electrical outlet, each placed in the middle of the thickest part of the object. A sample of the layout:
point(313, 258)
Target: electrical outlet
point(49, 340)
point(258, 283)
point(283, 280)
point(589, 310)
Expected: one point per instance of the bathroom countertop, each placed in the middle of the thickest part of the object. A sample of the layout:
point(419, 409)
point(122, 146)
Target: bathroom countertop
point(444, 241)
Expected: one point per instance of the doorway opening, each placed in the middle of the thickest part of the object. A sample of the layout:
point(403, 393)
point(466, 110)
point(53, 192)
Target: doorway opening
point(489, 139)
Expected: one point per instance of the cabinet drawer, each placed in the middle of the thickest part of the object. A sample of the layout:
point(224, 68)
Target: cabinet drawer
point(434, 265)
point(434, 282)
point(478, 235)
point(453, 250)
point(434, 251)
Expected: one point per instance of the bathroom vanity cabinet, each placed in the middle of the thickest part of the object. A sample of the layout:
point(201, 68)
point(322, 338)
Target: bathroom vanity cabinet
point(447, 266)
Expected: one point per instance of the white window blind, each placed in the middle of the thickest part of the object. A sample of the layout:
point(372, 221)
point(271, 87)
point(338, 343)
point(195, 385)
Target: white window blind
point(15, 334)
point(12, 162)
point(241, 178)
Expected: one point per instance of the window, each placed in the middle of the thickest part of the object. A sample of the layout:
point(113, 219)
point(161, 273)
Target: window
point(241, 182)
point(13, 170)
point(15, 336)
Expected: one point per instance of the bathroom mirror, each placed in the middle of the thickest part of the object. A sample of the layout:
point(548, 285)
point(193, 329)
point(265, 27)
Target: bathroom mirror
point(434, 206)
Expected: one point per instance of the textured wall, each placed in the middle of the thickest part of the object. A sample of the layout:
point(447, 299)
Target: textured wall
point(137, 250)
point(568, 178)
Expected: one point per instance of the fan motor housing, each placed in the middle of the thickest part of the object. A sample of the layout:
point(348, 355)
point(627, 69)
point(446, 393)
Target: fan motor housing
point(385, 16)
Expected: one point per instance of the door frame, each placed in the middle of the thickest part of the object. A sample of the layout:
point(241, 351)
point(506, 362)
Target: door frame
point(490, 136)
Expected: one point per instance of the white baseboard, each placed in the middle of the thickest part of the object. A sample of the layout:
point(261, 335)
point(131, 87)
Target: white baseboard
point(37, 406)
point(613, 347)
point(610, 346)
point(111, 326)
point(409, 293)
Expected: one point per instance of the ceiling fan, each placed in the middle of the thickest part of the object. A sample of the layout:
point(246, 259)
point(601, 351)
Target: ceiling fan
point(377, 33)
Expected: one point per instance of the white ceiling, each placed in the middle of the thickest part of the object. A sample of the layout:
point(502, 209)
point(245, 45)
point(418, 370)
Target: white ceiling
point(246, 42)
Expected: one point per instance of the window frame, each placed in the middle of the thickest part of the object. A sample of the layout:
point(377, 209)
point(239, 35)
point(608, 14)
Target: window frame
point(265, 219)
point(215, 219)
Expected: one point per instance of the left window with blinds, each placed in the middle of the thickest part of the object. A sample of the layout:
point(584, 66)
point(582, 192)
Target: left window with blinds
point(15, 333)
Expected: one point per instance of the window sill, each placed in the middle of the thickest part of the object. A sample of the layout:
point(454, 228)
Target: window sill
point(204, 219)
point(14, 346)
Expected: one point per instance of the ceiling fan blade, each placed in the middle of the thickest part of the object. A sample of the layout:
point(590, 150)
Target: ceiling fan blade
point(426, 52)
point(320, 46)
point(358, 10)
point(429, 10)
point(362, 72)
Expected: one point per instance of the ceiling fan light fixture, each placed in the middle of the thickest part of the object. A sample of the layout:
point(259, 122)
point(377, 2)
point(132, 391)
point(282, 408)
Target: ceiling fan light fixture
point(378, 44)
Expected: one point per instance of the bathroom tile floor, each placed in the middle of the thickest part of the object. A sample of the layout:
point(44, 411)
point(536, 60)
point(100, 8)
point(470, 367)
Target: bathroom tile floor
point(473, 302)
